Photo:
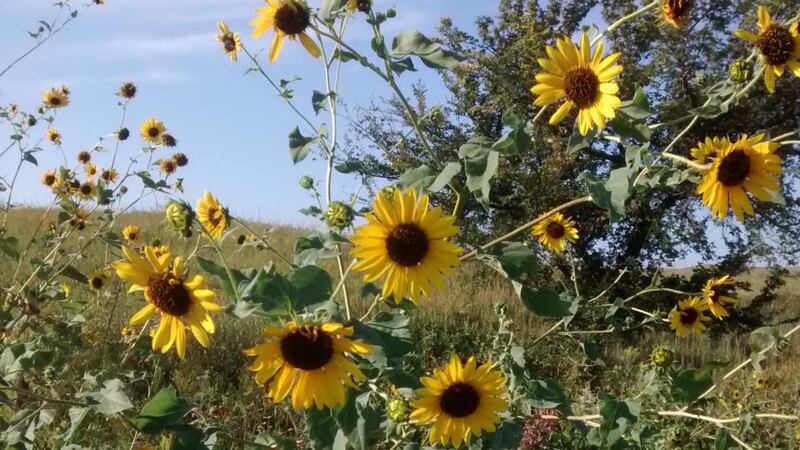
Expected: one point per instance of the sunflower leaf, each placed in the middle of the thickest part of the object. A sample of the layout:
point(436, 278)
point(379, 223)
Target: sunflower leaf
point(111, 399)
point(510, 259)
point(418, 178)
point(164, 411)
point(414, 43)
point(452, 169)
point(545, 301)
point(617, 416)
point(318, 101)
point(480, 165)
point(321, 429)
point(690, 383)
point(299, 145)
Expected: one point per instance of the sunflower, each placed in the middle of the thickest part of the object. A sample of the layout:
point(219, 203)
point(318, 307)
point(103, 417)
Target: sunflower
point(56, 98)
point(231, 44)
point(714, 294)
point(87, 190)
point(65, 289)
point(212, 215)
point(180, 301)
point(127, 90)
point(309, 361)
point(676, 12)
point(131, 233)
point(90, 170)
point(689, 316)
point(554, 232)
point(109, 175)
point(747, 165)
point(181, 160)
point(79, 220)
point(168, 166)
point(288, 18)
point(152, 130)
point(584, 79)
point(49, 178)
point(84, 157)
point(54, 136)
point(461, 400)
point(779, 47)
point(169, 140)
point(358, 5)
point(98, 279)
point(709, 148)
point(406, 242)
point(760, 381)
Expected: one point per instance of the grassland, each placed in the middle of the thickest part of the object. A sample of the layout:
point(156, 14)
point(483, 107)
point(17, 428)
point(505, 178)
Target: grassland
point(458, 319)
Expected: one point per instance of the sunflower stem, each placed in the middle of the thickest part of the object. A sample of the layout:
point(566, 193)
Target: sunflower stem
point(215, 244)
point(263, 241)
point(526, 226)
point(42, 398)
point(624, 19)
point(688, 162)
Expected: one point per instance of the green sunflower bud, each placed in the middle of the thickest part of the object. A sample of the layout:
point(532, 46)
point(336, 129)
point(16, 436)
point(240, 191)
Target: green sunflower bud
point(397, 409)
point(339, 215)
point(306, 182)
point(123, 134)
point(740, 71)
point(662, 357)
point(179, 217)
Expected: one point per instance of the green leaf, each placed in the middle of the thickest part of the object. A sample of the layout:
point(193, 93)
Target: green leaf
point(329, 7)
point(628, 128)
point(480, 165)
point(358, 421)
point(186, 437)
point(73, 273)
point(343, 55)
point(724, 441)
point(452, 169)
point(710, 111)
point(545, 301)
point(638, 108)
point(267, 293)
point(312, 285)
point(165, 410)
point(414, 43)
point(318, 101)
point(419, 178)
point(321, 429)
point(690, 383)
point(318, 245)
point(617, 416)
point(299, 145)
point(578, 142)
point(507, 436)
point(517, 140)
point(222, 275)
point(111, 399)
point(510, 259)
point(77, 424)
point(19, 357)
point(546, 393)
point(389, 333)
point(10, 246)
point(612, 194)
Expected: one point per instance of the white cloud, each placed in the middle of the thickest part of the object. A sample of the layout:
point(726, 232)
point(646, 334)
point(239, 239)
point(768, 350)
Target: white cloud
point(164, 45)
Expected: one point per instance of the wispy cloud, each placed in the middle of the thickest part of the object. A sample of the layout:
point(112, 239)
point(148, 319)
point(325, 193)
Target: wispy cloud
point(161, 45)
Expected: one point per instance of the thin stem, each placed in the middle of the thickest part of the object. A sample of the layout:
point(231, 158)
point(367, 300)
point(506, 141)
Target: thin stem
point(42, 398)
point(371, 307)
point(624, 19)
point(222, 259)
point(526, 226)
point(262, 240)
point(688, 162)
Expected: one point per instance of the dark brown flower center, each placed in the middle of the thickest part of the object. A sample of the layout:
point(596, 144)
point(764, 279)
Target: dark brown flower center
point(214, 216)
point(55, 101)
point(128, 90)
point(49, 179)
point(734, 168)
point(84, 157)
point(776, 44)
point(86, 189)
point(689, 316)
point(97, 283)
point(460, 400)
point(307, 348)
point(168, 166)
point(555, 230)
point(292, 18)
point(153, 132)
point(229, 43)
point(180, 159)
point(678, 10)
point(581, 86)
point(407, 244)
point(169, 294)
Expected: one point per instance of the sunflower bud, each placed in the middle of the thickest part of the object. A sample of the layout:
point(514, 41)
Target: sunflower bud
point(364, 5)
point(397, 409)
point(123, 134)
point(339, 215)
point(179, 216)
point(662, 357)
point(740, 71)
point(306, 182)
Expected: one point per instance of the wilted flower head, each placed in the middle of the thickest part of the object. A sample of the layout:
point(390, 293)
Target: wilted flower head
point(179, 217)
point(127, 91)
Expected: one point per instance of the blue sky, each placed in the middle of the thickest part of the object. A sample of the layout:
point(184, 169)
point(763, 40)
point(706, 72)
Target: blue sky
point(233, 127)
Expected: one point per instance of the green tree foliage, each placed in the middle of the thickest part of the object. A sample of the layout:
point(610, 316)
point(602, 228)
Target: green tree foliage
point(662, 225)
